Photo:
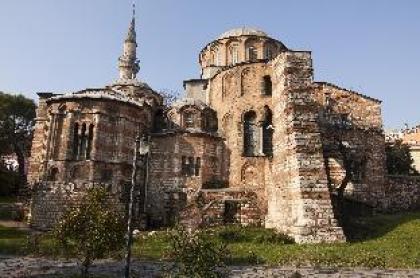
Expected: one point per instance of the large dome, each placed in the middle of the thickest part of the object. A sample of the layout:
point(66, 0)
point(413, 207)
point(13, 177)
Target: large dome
point(244, 31)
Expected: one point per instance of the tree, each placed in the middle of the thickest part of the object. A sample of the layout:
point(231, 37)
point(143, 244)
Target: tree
point(169, 96)
point(93, 230)
point(17, 114)
point(399, 160)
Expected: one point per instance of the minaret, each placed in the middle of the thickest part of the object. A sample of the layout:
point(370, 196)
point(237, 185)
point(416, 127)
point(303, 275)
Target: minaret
point(127, 63)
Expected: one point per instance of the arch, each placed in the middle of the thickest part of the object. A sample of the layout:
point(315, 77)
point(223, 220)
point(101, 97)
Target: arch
point(266, 85)
point(250, 134)
point(244, 74)
point(226, 123)
point(75, 141)
point(160, 122)
point(209, 120)
point(270, 50)
point(90, 141)
point(267, 132)
point(83, 142)
point(190, 117)
point(232, 52)
point(53, 174)
point(252, 49)
point(228, 83)
point(249, 173)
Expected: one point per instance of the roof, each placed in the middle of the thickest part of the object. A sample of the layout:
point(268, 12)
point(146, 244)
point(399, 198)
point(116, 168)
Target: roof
point(189, 102)
point(105, 94)
point(243, 31)
point(349, 91)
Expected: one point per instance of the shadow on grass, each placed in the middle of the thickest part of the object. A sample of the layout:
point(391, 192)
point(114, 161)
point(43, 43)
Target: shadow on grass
point(358, 229)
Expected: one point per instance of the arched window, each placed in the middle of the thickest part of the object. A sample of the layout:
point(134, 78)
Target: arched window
point(188, 119)
point(209, 120)
point(268, 52)
point(53, 174)
point(159, 121)
point(218, 58)
point(250, 134)
point(90, 141)
point(252, 54)
point(268, 132)
point(234, 54)
point(267, 85)
point(75, 140)
point(83, 142)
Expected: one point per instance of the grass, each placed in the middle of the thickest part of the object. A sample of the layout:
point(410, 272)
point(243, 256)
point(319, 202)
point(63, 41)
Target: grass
point(12, 240)
point(383, 241)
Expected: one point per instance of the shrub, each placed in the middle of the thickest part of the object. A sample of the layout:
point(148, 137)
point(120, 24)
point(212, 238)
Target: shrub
point(196, 255)
point(92, 231)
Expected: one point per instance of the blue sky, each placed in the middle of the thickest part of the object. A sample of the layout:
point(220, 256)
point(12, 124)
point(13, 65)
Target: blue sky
point(63, 45)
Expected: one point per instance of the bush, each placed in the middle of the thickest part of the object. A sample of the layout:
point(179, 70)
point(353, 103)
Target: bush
point(196, 255)
point(92, 231)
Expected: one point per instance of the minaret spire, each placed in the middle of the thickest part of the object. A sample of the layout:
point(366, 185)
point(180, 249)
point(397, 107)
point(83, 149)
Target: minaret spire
point(127, 63)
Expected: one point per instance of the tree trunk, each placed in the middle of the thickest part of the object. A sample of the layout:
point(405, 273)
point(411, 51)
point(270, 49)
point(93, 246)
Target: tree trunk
point(85, 267)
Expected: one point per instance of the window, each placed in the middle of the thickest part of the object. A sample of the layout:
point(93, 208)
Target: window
point(188, 120)
point(184, 167)
point(209, 121)
point(53, 174)
point(90, 141)
point(75, 140)
point(231, 213)
point(233, 51)
point(252, 54)
point(268, 132)
point(190, 166)
point(250, 134)
point(267, 86)
point(197, 166)
point(218, 60)
point(268, 53)
point(82, 141)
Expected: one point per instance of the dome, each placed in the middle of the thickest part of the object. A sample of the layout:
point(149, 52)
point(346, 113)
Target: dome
point(244, 31)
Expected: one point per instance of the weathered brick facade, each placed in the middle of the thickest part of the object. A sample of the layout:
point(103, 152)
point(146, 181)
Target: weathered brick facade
point(255, 141)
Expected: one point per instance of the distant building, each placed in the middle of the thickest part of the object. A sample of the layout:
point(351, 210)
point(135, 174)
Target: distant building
point(409, 136)
point(253, 142)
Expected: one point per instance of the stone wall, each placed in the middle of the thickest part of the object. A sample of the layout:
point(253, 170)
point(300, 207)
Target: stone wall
point(402, 193)
point(353, 120)
point(50, 200)
point(299, 201)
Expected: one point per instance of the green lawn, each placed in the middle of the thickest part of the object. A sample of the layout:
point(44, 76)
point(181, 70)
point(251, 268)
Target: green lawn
point(384, 241)
point(12, 241)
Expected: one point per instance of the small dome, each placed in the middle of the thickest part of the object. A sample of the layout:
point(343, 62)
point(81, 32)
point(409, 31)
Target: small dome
point(244, 31)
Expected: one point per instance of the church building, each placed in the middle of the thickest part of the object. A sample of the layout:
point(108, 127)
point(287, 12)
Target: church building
point(254, 141)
